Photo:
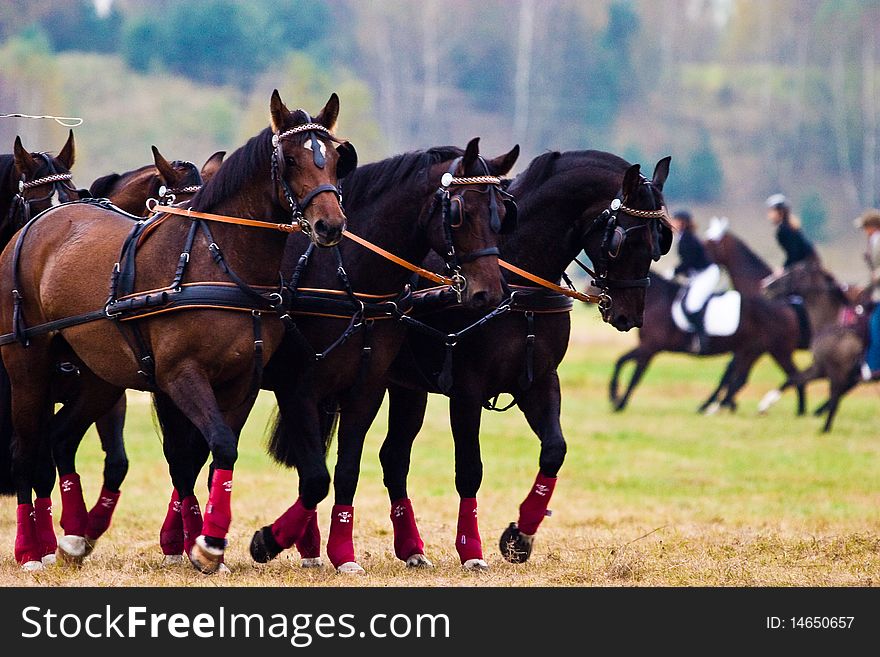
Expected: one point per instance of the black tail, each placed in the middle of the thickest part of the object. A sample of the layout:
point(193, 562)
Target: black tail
point(7, 486)
point(281, 443)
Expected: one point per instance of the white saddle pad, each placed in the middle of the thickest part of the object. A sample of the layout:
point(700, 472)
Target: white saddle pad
point(722, 314)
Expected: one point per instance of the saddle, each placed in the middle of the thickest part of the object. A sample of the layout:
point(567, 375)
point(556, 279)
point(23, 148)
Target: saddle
point(721, 313)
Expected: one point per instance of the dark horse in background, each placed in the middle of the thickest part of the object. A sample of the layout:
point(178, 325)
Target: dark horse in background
point(402, 205)
point(206, 376)
point(566, 205)
point(765, 326)
point(838, 344)
point(29, 182)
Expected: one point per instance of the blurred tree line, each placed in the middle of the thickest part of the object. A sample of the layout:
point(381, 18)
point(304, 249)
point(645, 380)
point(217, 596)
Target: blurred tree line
point(749, 97)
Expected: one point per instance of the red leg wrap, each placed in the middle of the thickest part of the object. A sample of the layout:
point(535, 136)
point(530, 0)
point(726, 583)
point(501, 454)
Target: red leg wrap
point(102, 513)
point(218, 511)
point(309, 545)
point(171, 534)
point(43, 526)
point(291, 525)
point(468, 542)
point(534, 508)
point(340, 545)
point(74, 516)
point(407, 541)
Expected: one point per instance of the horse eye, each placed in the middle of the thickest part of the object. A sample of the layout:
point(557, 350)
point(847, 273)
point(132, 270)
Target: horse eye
point(289, 161)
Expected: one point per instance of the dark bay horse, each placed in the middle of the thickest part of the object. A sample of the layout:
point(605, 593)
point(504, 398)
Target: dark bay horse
point(130, 190)
point(564, 201)
point(28, 184)
point(444, 198)
point(207, 376)
point(837, 347)
point(765, 326)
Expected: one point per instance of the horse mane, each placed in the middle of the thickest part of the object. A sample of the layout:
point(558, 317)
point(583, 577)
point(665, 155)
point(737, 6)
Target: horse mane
point(7, 168)
point(548, 164)
point(238, 169)
point(377, 178)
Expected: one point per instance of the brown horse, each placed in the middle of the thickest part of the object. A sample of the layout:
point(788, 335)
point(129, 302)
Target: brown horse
point(838, 348)
point(278, 177)
point(443, 199)
point(765, 326)
point(130, 190)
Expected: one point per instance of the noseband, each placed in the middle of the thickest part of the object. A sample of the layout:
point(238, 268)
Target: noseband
point(20, 212)
point(613, 238)
point(298, 206)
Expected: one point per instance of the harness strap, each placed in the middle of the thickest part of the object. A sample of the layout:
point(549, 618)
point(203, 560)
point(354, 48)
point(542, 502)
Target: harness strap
point(421, 271)
point(528, 376)
point(224, 219)
point(574, 294)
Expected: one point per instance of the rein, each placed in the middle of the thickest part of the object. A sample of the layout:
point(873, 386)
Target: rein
point(573, 294)
point(294, 228)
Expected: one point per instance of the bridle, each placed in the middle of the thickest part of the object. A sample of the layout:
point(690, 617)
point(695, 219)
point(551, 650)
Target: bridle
point(296, 206)
point(168, 195)
point(452, 213)
point(21, 205)
point(614, 237)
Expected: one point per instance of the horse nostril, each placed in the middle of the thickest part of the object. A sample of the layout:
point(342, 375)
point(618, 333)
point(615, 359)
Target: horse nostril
point(321, 226)
point(480, 299)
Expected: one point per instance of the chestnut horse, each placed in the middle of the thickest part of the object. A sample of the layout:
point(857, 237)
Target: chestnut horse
point(567, 203)
point(130, 190)
point(444, 198)
point(60, 258)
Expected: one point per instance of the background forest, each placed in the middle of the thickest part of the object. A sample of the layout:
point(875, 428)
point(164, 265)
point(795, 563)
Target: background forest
point(750, 97)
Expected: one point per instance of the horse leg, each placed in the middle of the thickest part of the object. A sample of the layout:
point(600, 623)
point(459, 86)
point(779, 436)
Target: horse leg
point(33, 469)
point(541, 405)
point(784, 360)
point(739, 377)
point(465, 413)
point(186, 453)
point(615, 375)
point(359, 410)
point(68, 428)
point(192, 393)
point(838, 390)
point(712, 401)
point(110, 428)
point(314, 479)
point(406, 413)
point(643, 359)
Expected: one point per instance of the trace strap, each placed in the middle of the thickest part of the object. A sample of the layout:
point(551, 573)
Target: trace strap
point(424, 273)
point(574, 294)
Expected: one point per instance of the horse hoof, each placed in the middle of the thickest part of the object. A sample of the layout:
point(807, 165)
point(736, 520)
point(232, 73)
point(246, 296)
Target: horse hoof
point(206, 559)
point(516, 547)
point(72, 549)
point(475, 565)
point(351, 568)
point(712, 409)
point(32, 566)
point(419, 561)
point(312, 562)
point(49, 559)
point(171, 560)
point(264, 547)
point(223, 569)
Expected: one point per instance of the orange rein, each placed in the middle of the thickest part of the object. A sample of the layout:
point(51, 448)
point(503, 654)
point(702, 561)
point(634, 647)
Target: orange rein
point(421, 271)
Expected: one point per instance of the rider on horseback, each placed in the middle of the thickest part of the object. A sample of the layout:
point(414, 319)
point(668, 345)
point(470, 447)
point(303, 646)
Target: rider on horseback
point(791, 238)
point(870, 223)
point(702, 274)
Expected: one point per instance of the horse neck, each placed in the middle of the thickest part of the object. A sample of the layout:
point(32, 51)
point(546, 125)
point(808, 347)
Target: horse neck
point(8, 190)
point(549, 235)
point(746, 269)
point(254, 254)
point(389, 220)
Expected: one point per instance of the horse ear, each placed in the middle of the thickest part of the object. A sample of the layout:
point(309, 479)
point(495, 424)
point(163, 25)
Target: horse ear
point(165, 169)
point(68, 153)
point(661, 172)
point(631, 180)
point(24, 161)
point(502, 164)
point(212, 164)
point(278, 112)
point(327, 116)
point(471, 153)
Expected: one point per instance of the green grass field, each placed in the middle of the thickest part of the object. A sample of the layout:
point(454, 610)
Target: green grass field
point(654, 496)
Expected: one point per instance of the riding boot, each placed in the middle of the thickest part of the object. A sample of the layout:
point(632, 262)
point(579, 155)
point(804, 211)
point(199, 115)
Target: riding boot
point(701, 339)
